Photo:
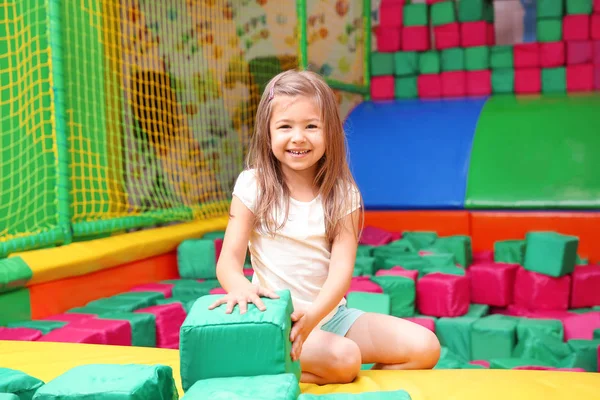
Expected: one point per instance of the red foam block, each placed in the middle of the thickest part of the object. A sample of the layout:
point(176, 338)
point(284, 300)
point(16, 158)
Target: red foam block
point(520, 311)
point(375, 236)
point(585, 285)
point(581, 326)
point(21, 334)
point(165, 288)
point(429, 2)
point(535, 291)
point(596, 51)
point(526, 55)
point(217, 291)
point(169, 318)
point(491, 34)
point(473, 34)
point(576, 27)
point(428, 323)
point(483, 256)
point(597, 11)
point(364, 284)
point(416, 38)
point(595, 28)
point(248, 271)
point(429, 86)
point(528, 80)
point(218, 248)
point(447, 36)
point(580, 78)
point(552, 54)
point(389, 39)
point(113, 332)
point(597, 76)
point(399, 271)
point(579, 52)
point(443, 295)
point(454, 83)
point(390, 14)
point(66, 334)
point(492, 283)
point(479, 83)
point(382, 87)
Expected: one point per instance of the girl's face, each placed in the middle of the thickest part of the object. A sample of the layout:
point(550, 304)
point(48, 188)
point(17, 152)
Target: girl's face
point(297, 137)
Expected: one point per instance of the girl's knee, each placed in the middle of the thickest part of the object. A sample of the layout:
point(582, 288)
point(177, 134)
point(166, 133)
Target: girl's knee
point(427, 350)
point(346, 361)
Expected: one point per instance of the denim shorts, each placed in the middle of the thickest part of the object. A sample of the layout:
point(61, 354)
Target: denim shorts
point(342, 320)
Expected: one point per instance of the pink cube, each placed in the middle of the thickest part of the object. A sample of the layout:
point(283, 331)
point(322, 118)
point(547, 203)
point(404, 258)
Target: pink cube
point(165, 288)
point(429, 86)
point(597, 77)
point(580, 78)
point(576, 27)
point(454, 83)
point(552, 54)
point(390, 14)
point(519, 311)
point(581, 326)
point(67, 334)
point(479, 83)
point(169, 318)
point(21, 334)
point(113, 332)
point(399, 271)
point(595, 28)
point(218, 248)
point(69, 317)
point(597, 11)
point(483, 363)
point(364, 284)
point(483, 256)
point(248, 271)
point(447, 36)
point(217, 291)
point(579, 52)
point(430, 2)
point(526, 55)
point(382, 87)
point(473, 34)
point(528, 80)
point(375, 236)
point(540, 368)
point(491, 34)
point(492, 283)
point(428, 323)
point(596, 52)
point(535, 291)
point(443, 295)
point(585, 285)
point(416, 38)
point(389, 39)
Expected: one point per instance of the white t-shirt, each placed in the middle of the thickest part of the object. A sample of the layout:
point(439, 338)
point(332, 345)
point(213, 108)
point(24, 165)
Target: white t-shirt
point(297, 256)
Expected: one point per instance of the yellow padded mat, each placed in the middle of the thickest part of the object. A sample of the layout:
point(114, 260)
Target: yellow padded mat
point(48, 360)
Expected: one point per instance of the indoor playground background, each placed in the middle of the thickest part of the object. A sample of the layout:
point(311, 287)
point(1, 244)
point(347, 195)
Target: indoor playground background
point(473, 133)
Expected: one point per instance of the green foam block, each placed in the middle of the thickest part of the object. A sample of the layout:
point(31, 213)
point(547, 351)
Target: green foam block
point(415, 14)
point(531, 327)
point(584, 354)
point(111, 382)
point(19, 383)
point(492, 337)
point(513, 362)
point(501, 57)
point(443, 13)
point(261, 387)
point(477, 58)
point(185, 303)
point(452, 60)
point(15, 306)
point(218, 345)
point(509, 251)
point(477, 310)
point(596, 333)
point(143, 326)
point(554, 80)
point(382, 64)
point(363, 266)
point(503, 81)
point(474, 10)
point(406, 87)
point(449, 360)
point(455, 334)
point(191, 289)
point(459, 245)
point(402, 293)
point(550, 253)
point(44, 326)
point(441, 262)
point(406, 63)
point(542, 346)
point(378, 303)
point(579, 6)
point(14, 273)
point(549, 30)
point(196, 259)
point(214, 235)
point(129, 301)
point(420, 239)
point(379, 395)
point(429, 62)
point(8, 396)
point(364, 250)
point(550, 9)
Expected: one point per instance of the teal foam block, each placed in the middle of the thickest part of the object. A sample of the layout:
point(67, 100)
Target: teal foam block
point(509, 251)
point(455, 334)
point(420, 239)
point(531, 327)
point(43, 326)
point(8, 396)
point(550, 253)
point(14, 273)
point(111, 382)
point(401, 291)
point(584, 354)
point(382, 64)
point(128, 302)
point(513, 362)
point(493, 336)
point(143, 326)
point(261, 387)
point(214, 235)
point(477, 310)
point(449, 360)
point(459, 245)
point(406, 63)
point(364, 250)
point(379, 395)
point(214, 344)
point(363, 266)
point(378, 303)
point(19, 383)
point(196, 259)
point(543, 346)
point(191, 289)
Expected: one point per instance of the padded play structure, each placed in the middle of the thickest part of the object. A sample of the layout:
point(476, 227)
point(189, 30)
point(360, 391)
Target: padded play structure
point(124, 125)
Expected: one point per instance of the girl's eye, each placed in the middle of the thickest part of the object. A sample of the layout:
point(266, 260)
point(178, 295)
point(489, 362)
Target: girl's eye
point(311, 126)
point(284, 127)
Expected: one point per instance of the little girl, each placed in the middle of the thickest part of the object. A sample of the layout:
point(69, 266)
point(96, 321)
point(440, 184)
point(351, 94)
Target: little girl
point(297, 208)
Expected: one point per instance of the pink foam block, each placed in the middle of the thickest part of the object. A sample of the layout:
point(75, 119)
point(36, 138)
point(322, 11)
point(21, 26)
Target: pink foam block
point(165, 288)
point(483, 256)
point(552, 54)
point(579, 52)
point(492, 283)
point(581, 326)
point(429, 86)
point(364, 284)
point(491, 34)
point(580, 78)
point(585, 285)
point(169, 318)
point(382, 87)
point(113, 332)
point(535, 291)
point(21, 334)
point(66, 334)
point(443, 295)
point(389, 39)
point(428, 323)
point(473, 34)
point(483, 363)
point(597, 77)
point(430, 2)
point(597, 11)
point(540, 368)
point(248, 271)
point(576, 27)
point(390, 14)
point(526, 55)
point(218, 248)
point(217, 291)
point(416, 38)
point(447, 36)
point(595, 28)
point(596, 52)
point(454, 83)
point(375, 236)
point(396, 236)
point(69, 317)
point(479, 83)
point(399, 271)
point(528, 80)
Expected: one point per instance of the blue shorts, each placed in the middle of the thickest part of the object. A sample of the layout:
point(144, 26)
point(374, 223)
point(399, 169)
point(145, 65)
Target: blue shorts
point(342, 320)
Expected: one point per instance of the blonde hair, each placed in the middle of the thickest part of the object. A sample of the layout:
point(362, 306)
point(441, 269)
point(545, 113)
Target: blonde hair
point(333, 177)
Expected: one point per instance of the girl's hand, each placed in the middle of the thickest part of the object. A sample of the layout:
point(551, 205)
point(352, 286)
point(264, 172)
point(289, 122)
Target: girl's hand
point(250, 294)
point(302, 327)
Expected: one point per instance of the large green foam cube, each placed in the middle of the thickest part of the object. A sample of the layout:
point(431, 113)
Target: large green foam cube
point(554, 80)
point(550, 9)
point(363, 266)
point(196, 259)
point(441, 262)
point(443, 13)
point(111, 382)
point(420, 239)
point(378, 395)
point(15, 273)
point(453, 59)
point(429, 62)
point(549, 30)
point(473, 10)
point(406, 63)
point(459, 245)
point(402, 293)
point(19, 383)
point(584, 354)
point(579, 6)
point(415, 14)
point(501, 57)
point(364, 250)
point(260, 387)
point(378, 303)
point(509, 251)
point(405, 87)
point(477, 58)
point(543, 346)
point(493, 336)
point(455, 334)
point(143, 326)
point(214, 344)
point(527, 327)
point(382, 64)
point(550, 253)
point(503, 81)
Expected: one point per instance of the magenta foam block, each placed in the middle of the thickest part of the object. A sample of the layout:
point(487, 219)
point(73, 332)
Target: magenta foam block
point(113, 332)
point(429, 86)
point(21, 334)
point(576, 27)
point(364, 284)
point(66, 334)
point(218, 248)
point(483, 363)
point(248, 271)
point(169, 318)
point(374, 236)
point(399, 271)
point(483, 256)
point(69, 317)
point(552, 54)
point(535, 291)
point(389, 39)
point(581, 326)
point(595, 28)
point(479, 83)
point(491, 34)
point(473, 34)
point(492, 283)
point(217, 291)
point(596, 52)
point(165, 288)
point(579, 52)
point(416, 38)
point(390, 14)
point(585, 286)
point(428, 323)
point(528, 80)
point(596, 10)
point(443, 295)
point(580, 78)
point(597, 77)
point(526, 55)
point(382, 87)
point(540, 368)
point(447, 36)
point(454, 83)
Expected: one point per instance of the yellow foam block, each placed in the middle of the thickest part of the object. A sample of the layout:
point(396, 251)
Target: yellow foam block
point(86, 257)
point(48, 360)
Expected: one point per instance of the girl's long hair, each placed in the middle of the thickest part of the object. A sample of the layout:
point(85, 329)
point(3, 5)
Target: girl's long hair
point(334, 179)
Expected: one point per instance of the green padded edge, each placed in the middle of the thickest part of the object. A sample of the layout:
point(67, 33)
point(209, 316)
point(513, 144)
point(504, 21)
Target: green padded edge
point(15, 306)
point(14, 274)
point(536, 153)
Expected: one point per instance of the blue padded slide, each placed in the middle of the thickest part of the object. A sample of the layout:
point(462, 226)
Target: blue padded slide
point(412, 154)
